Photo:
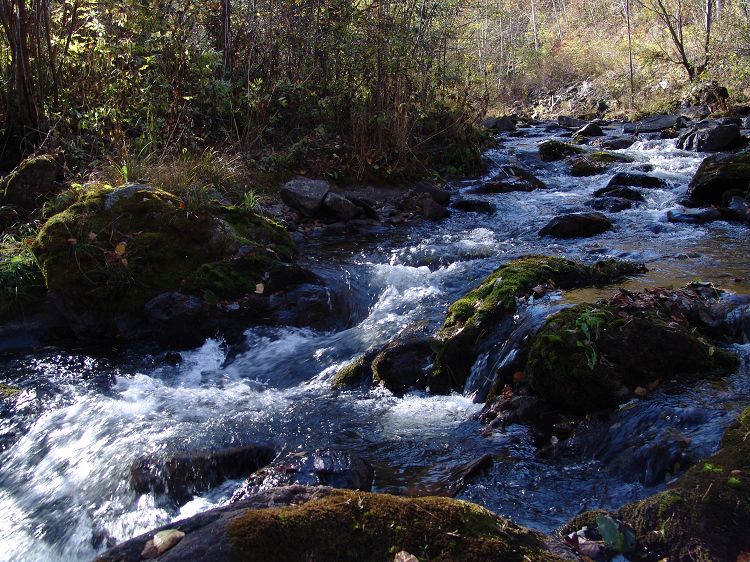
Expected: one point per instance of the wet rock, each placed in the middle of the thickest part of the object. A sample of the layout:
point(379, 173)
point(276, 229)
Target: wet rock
point(503, 124)
point(704, 514)
point(621, 192)
point(433, 211)
point(484, 316)
point(27, 186)
point(592, 356)
point(368, 207)
point(709, 137)
point(315, 305)
point(300, 523)
point(595, 163)
point(654, 124)
point(322, 467)
point(719, 174)
point(340, 207)
point(636, 180)
point(610, 204)
point(552, 150)
point(473, 206)
point(576, 225)
point(181, 475)
point(305, 195)
point(589, 130)
point(162, 542)
point(739, 207)
point(462, 475)
point(437, 194)
point(617, 143)
point(571, 122)
point(694, 216)
point(510, 177)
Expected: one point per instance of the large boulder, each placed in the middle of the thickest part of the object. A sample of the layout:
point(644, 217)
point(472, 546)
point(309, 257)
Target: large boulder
point(654, 124)
point(341, 207)
point(552, 150)
point(181, 475)
point(114, 250)
point(593, 356)
point(28, 185)
point(719, 174)
point(570, 122)
point(323, 467)
point(300, 523)
point(711, 138)
point(595, 163)
point(305, 195)
point(510, 177)
point(504, 124)
point(589, 130)
point(576, 225)
point(610, 204)
point(636, 179)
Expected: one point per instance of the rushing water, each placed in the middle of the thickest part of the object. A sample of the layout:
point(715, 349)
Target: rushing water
point(67, 442)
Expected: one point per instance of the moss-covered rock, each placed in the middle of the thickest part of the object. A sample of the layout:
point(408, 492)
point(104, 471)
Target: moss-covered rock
point(705, 514)
point(330, 525)
point(592, 356)
point(115, 249)
point(595, 163)
point(718, 175)
point(551, 150)
point(21, 282)
point(28, 185)
point(472, 321)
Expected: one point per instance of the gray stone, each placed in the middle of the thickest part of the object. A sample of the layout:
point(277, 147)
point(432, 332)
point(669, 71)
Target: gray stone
point(590, 130)
point(636, 180)
point(341, 207)
point(27, 185)
point(503, 124)
point(433, 211)
point(576, 225)
point(305, 195)
point(654, 124)
point(619, 192)
point(125, 192)
point(711, 138)
point(694, 216)
point(719, 174)
point(610, 204)
point(570, 122)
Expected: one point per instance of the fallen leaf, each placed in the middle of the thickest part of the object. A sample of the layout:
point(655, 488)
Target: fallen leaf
point(120, 249)
point(259, 289)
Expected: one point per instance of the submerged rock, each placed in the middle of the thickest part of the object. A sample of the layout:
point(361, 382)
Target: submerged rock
point(576, 225)
point(510, 178)
point(621, 192)
point(595, 163)
point(610, 204)
point(299, 523)
point(694, 216)
point(593, 356)
point(633, 179)
point(473, 206)
point(720, 174)
point(181, 475)
point(322, 467)
point(552, 150)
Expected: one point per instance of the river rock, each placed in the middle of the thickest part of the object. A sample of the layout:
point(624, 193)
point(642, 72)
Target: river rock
point(589, 130)
point(576, 225)
point(610, 204)
point(739, 207)
point(504, 124)
point(654, 124)
point(709, 137)
point(473, 206)
point(301, 523)
point(30, 183)
point(510, 177)
point(617, 143)
point(594, 356)
point(340, 207)
point(552, 150)
point(571, 122)
point(322, 467)
point(595, 163)
point(305, 195)
point(181, 475)
point(719, 174)
point(433, 211)
point(694, 216)
point(621, 192)
point(634, 179)
point(438, 194)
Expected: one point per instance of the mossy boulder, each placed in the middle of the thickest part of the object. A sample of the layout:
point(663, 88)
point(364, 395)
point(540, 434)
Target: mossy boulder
point(328, 525)
point(477, 319)
point(21, 282)
point(595, 163)
point(552, 150)
point(26, 187)
point(718, 175)
point(593, 356)
point(704, 515)
point(115, 249)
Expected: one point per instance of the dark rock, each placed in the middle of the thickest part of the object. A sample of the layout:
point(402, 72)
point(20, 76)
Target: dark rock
point(571, 122)
point(695, 112)
point(433, 211)
point(438, 195)
point(305, 195)
point(315, 305)
point(636, 180)
point(464, 474)
point(654, 124)
point(473, 206)
point(719, 174)
point(711, 138)
point(671, 133)
point(618, 143)
point(576, 225)
point(610, 204)
point(595, 163)
point(367, 207)
point(181, 475)
point(320, 524)
point(589, 130)
point(621, 192)
point(739, 207)
point(322, 467)
point(340, 207)
point(30, 183)
point(508, 178)
point(503, 124)
point(125, 192)
point(709, 95)
point(552, 150)
point(694, 216)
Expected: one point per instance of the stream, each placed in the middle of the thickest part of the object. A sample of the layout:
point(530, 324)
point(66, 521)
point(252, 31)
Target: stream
point(68, 440)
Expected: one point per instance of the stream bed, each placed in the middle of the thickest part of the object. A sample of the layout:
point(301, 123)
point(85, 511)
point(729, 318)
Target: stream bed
point(68, 440)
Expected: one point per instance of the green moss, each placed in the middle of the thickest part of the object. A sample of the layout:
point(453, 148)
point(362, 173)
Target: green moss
point(354, 374)
point(148, 241)
point(370, 527)
point(21, 281)
point(595, 163)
